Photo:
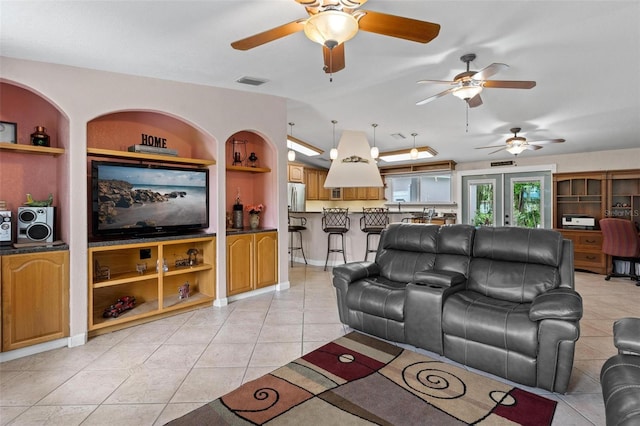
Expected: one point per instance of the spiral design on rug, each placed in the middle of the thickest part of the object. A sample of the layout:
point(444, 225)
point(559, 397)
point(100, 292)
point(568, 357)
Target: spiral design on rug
point(428, 379)
point(269, 398)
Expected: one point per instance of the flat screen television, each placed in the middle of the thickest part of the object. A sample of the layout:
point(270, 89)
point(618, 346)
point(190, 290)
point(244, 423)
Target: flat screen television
point(130, 199)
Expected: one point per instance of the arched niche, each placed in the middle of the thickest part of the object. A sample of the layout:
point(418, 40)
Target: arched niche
point(253, 187)
point(122, 129)
point(39, 175)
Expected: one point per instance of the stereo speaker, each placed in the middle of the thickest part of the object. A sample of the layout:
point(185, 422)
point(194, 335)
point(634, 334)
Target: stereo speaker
point(36, 224)
point(6, 229)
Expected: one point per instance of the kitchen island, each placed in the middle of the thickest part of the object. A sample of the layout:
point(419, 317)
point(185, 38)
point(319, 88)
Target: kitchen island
point(314, 239)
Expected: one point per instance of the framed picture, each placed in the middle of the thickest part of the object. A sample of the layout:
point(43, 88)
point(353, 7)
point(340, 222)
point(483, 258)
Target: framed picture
point(8, 132)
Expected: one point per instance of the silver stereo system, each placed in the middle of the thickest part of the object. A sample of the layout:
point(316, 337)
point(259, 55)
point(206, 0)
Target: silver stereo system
point(6, 228)
point(36, 224)
point(578, 221)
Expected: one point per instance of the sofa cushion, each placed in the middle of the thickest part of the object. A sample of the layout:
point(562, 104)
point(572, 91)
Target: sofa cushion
point(490, 321)
point(620, 380)
point(378, 296)
point(540, 246)
point(405, 249)
point(511, 281)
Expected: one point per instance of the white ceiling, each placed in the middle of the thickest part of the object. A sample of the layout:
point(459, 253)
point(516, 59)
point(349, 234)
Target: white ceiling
point(584, 56)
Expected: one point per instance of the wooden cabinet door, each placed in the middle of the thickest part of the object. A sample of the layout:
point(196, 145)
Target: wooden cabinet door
point(311, 179)
point(296, 173)
point(35, 298)
point(362, 193)
point(266, 268)
point(323, 193)
point(239, 263)
point(349, 194)
point(373, 193)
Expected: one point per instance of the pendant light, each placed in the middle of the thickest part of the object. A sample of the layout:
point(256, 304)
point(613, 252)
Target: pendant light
point(414, 151)
point(291, 155)
point(333, 154)
point(374, 149)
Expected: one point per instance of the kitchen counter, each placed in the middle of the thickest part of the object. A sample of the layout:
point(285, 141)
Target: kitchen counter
point(315, 239)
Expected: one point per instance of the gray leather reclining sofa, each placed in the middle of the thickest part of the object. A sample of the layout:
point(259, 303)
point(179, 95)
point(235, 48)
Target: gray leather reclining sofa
point(500, 299)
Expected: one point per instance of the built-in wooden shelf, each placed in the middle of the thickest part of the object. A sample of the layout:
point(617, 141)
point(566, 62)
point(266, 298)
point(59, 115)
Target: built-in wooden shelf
point(249, 169)
point(99, 152)
point(31, 149)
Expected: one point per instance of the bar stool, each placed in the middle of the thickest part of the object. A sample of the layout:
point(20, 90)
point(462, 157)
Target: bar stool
point(373, 221)
point(297, 224)
point(335, 221)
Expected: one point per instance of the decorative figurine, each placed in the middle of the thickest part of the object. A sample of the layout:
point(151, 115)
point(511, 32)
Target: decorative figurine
point(193, 256)
point(100, 272)
point(141, 267)
point(183, 291)
point(41, 203)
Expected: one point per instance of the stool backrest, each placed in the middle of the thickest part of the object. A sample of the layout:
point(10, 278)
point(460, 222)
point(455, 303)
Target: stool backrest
point(374, 217)
point(335, 217)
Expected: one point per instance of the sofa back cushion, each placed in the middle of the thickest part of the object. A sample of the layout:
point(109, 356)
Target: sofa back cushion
point(409, 248)
point(515, 264)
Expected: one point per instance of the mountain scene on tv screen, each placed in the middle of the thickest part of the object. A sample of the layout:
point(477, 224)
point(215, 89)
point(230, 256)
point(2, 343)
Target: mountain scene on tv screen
point(130, 198)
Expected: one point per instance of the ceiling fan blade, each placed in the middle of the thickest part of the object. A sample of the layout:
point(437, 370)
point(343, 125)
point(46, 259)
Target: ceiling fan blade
point(333, 58)
point(269, 35)
point(398, 26)
point(546, 141)
point(487, 72)
point(434, 97)
point(507, 84)
point(532, 147)
point(498, 150)
point(476, 101)
point(436, 82)
point(492, 146)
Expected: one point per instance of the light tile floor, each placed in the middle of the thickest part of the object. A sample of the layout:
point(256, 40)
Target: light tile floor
point(152, 373)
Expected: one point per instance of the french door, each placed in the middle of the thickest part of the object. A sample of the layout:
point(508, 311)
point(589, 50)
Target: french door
point(520, 198)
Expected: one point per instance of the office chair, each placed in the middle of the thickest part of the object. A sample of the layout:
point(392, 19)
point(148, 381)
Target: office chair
point(622, 242)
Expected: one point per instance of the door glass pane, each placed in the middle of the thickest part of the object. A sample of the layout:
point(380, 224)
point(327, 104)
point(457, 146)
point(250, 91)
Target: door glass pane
point(526, 202)
point(482, 203)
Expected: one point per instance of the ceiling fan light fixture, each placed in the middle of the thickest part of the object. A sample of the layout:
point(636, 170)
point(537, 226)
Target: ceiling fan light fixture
point(468, 90)
point(331, 27)
point(516, 148)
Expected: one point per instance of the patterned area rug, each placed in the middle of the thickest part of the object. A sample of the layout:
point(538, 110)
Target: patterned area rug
point(360, 380)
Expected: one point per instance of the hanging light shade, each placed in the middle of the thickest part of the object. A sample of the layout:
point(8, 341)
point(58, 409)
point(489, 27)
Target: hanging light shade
point(354, 166)
point(331, 27)
point(413, 154)
point(291, 155)
point(516, 148)
point(375, 152)
point(333, 154)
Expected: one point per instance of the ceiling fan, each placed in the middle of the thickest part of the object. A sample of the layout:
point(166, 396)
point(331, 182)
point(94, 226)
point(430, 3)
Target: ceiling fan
point(332, 22)
point(516, 144)
point(468, 84)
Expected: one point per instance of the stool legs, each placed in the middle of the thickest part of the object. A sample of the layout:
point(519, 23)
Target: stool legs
point(330, 250)
point(368, 250)
point(292, 247)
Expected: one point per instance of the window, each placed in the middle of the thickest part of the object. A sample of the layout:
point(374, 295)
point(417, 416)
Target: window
point(419, 188)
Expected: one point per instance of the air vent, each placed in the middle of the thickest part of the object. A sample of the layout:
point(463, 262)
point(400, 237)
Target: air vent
point(398, 136)
point(252, 81)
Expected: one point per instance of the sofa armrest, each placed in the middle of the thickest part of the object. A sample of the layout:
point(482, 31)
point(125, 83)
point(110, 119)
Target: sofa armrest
point(439, 278)
point(354, 271)
point(560, 303)
point(626, 335)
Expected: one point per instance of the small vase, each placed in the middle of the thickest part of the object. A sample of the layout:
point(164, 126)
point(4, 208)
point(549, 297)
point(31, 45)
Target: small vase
point(40, 137)
point(254, 221)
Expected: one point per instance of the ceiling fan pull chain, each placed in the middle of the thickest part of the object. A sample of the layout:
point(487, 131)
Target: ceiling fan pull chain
point(467, 116)
point(331, 65)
